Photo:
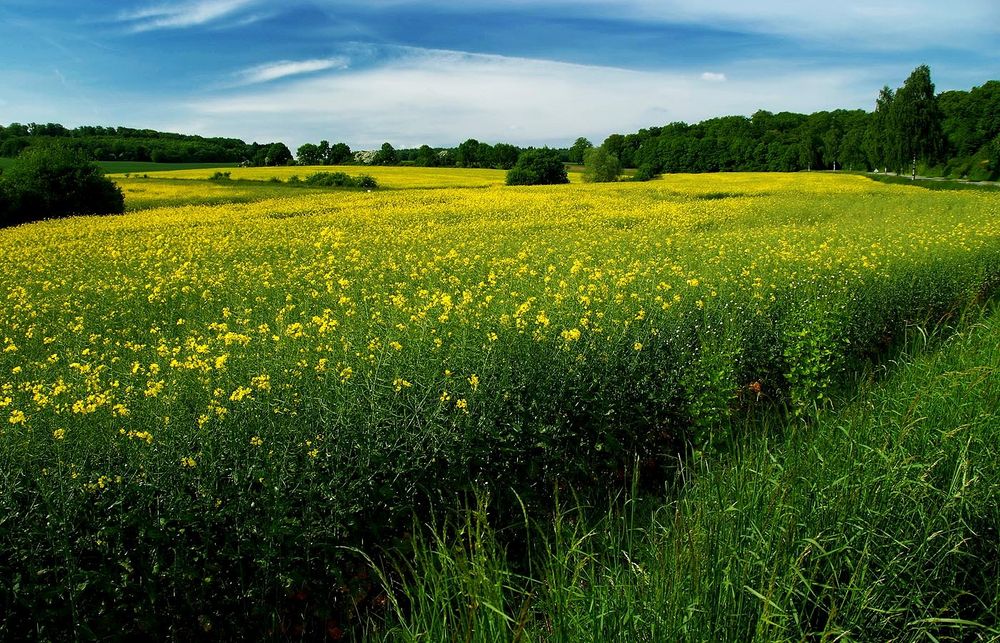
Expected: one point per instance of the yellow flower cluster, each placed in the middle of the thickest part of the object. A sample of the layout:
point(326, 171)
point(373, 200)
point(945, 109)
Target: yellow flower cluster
point(324, 306)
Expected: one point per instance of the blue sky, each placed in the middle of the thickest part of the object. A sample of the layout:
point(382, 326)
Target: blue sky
point(440, 71)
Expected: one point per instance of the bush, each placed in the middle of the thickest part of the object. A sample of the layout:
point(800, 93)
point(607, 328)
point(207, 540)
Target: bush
point(645, 172)
point(600, 166)
point(538, 167)
point(46, 182)
point(219, 176)
point(340, 180)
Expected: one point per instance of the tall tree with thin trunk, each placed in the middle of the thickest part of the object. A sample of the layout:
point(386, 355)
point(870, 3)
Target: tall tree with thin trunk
point(880, 136)
point(917, 119)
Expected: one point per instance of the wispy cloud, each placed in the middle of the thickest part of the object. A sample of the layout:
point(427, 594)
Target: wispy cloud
point(417, 96)
point(876, 25)
point(713, 77)
point(182, 14)
point(285, 68)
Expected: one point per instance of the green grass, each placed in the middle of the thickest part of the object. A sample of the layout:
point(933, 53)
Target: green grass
point(932, 184)
point(875, 522)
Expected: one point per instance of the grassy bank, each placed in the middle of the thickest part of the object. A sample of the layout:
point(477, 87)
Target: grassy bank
point(876, 522)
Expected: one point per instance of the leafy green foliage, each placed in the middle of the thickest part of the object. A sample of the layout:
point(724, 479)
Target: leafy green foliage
point(386, 156)
point(578, 151)
point(600, 166)
point(538, 167)
point(340, 180)
point(54, 182)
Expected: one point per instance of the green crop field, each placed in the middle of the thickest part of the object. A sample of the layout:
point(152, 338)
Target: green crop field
point(215, 414)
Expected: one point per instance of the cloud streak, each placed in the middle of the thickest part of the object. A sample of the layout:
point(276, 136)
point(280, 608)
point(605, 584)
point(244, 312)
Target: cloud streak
point(182, 15)
point(285, 68)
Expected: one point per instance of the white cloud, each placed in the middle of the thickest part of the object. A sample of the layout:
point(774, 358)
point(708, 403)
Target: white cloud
point(443, 97)
point(713, 77)
point(184, 14)
point(285, 68)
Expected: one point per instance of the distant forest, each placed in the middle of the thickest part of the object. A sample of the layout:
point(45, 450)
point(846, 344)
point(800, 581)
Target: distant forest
point(955, 133)
point(127, 144)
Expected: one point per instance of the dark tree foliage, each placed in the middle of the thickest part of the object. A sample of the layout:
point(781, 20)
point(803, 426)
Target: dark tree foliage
point(950, 134)
point(538, 167)
point(47, 182)
point(310, 154)
point(339, 154)
point(505, 156)
point(386, 156)
point(578, 150)
point(277, 154)
point(916, 119)
point(124, 144)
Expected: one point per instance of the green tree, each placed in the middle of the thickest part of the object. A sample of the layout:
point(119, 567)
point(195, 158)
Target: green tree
point(538, 167)
point(387, 155)
point(277, 154)
point(339, 154)
point(505, 155)
point(324, 151)
point(579, 149)
point(468, 154)
point(309, 154)
point(880, 141)
point(47, 182)
point(600, 166)
point(917, 120)
point(426, 157)
point(615, 144)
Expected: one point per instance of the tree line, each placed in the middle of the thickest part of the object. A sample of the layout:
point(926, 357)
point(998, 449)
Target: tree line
point(956, 133)
point(129, 144)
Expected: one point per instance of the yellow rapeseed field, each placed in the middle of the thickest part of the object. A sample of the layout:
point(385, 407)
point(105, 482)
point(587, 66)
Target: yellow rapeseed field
point(220, 401)
point(172, 320)
point(389, 177)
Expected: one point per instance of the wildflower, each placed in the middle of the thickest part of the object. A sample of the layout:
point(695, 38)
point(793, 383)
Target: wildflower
point(571, 335)
point(59, 434)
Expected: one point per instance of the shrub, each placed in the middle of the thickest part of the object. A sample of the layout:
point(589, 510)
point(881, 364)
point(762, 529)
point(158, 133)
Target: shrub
point(600, 166)
point(219, 176)
point(538, 167)
point(340, 180)
point(47, 182)
point(646, 172)
point(330, 180)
